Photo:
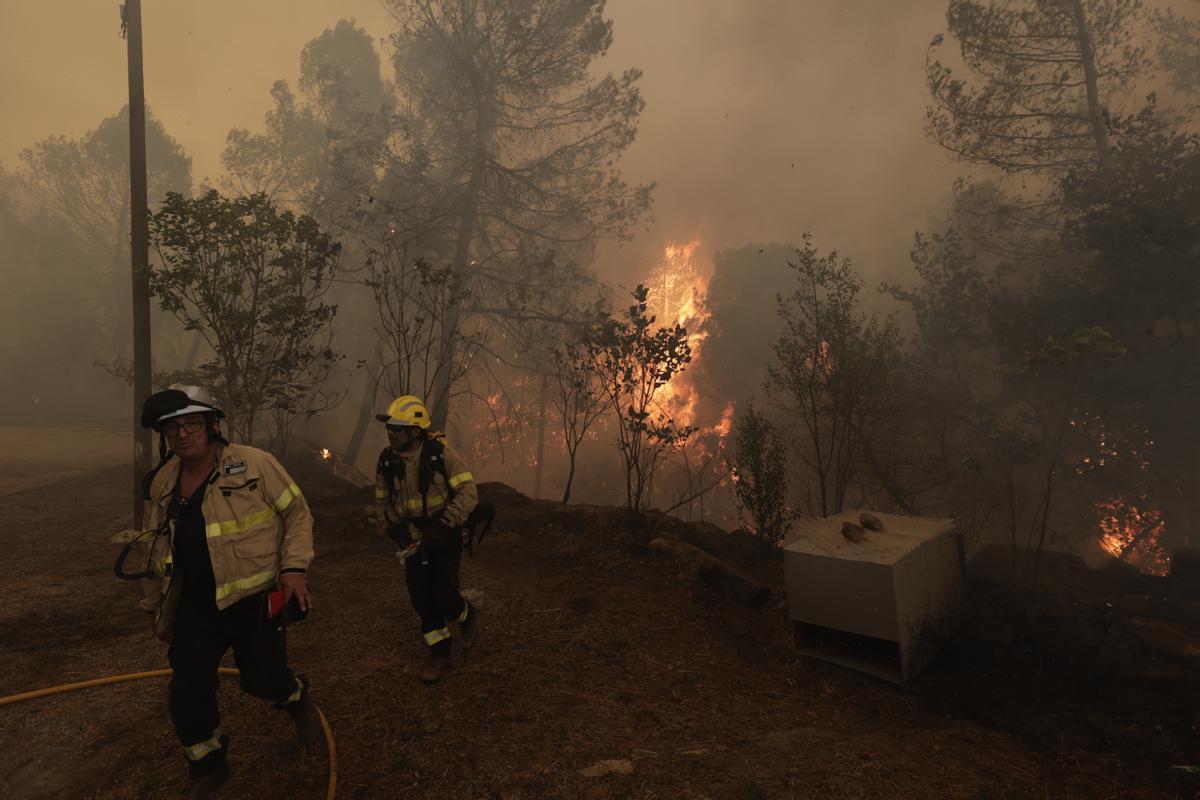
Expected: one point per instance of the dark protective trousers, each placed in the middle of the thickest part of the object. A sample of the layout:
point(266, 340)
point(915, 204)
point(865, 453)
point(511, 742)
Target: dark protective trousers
point(432, 574)
point(197, 645)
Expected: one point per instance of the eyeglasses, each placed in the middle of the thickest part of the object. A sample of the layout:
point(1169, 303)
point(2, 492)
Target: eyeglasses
point(187, 426)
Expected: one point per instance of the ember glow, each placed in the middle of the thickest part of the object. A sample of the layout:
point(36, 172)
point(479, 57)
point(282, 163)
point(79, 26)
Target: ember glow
point(1129, 527)
point(1132, 534)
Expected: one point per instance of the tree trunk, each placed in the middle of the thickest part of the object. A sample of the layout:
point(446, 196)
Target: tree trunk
point(570, 476)
point(1095, 112)
point(193, 351)
point(541, 442)
point(364, 418)
point(444, 378)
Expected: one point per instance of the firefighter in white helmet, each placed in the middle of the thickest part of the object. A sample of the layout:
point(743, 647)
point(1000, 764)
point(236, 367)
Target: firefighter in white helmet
point(424, 494)
point(235, 526)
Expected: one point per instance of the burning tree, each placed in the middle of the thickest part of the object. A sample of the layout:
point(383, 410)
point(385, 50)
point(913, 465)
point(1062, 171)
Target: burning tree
point(636, 361)
point(250, 280)
point(1054, 373)
point(677, 292)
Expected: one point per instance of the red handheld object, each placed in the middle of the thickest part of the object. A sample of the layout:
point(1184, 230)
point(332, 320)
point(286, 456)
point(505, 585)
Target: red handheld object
point(275, 604)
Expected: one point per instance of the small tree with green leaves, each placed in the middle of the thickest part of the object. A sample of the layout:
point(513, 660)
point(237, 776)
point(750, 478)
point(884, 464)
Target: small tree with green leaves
point(760, 478)
point(578, 395)
point(635, 361)
point(250, 279)
point(834, 365)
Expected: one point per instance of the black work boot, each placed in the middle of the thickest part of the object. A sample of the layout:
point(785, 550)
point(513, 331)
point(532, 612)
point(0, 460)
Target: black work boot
point(304, 715)
point(206, 777)
point(438, 662)
point(468, 630)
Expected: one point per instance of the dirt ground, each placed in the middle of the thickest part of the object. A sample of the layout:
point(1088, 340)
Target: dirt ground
point(590, 650)
point(36, 456)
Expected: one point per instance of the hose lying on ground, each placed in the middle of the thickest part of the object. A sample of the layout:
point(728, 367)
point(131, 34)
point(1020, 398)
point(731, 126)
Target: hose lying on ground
point(160, 673)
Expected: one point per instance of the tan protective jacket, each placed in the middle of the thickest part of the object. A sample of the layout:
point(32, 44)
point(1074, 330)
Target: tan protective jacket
point(256, 521)
point(406, 504)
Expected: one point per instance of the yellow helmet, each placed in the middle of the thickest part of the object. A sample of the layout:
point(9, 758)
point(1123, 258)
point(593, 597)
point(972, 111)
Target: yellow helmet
point(406, 410)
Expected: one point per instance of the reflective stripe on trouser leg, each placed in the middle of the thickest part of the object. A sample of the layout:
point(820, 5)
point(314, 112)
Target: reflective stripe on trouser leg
point(197, 751)
point(466, 612)
point(439, 635)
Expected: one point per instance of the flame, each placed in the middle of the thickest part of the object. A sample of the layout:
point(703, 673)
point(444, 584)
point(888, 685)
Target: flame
point(675, 287)
point(326, 454)
point(1132, 534)
point(723, 427)
point(1129, 528)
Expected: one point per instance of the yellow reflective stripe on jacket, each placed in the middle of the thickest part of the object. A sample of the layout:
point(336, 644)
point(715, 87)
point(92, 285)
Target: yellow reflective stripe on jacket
point(380, 494)
point(195, 752)
point(435, 501)
point(244, 584)
point(459, 479)
point(214, 529)
point(433, 637)
point(284, 500)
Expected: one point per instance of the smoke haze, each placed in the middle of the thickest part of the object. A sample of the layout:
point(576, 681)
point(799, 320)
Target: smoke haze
point(762, 119)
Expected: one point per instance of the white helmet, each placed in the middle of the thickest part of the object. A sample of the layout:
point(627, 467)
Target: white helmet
point(177, 401)
point(201, 402)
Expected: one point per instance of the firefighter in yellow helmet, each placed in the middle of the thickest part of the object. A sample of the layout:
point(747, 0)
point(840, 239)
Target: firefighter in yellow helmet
point(424, 493)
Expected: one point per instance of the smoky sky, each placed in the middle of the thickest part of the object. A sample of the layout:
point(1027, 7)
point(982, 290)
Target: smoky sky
point(763, 118)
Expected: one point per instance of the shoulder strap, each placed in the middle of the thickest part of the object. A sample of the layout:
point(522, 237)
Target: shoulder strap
point(392, 468)
point(433, 459)
point(164, 455)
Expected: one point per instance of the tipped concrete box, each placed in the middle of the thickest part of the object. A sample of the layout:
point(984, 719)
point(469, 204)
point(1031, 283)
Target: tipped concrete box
point(884, 605)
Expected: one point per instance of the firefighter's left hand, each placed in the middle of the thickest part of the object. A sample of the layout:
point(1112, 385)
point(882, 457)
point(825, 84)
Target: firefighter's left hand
point(296, 585)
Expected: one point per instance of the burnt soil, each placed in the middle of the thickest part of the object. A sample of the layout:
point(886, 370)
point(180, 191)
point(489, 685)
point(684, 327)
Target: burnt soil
point(592, 648)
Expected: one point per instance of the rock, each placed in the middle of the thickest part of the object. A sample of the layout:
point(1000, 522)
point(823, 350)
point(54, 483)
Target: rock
point(870, 522)
point(854, 533)
point(620, 766)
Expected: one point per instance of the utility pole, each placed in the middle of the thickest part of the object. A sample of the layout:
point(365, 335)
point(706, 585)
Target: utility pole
point(131, 27)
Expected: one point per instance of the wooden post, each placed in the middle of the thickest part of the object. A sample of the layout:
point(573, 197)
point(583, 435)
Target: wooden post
point(140, 249)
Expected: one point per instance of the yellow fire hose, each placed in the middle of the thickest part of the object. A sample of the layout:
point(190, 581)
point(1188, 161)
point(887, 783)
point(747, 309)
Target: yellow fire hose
point(159, 673)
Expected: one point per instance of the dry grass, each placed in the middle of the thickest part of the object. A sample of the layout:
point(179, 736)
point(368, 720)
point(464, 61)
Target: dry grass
point(589, 650)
